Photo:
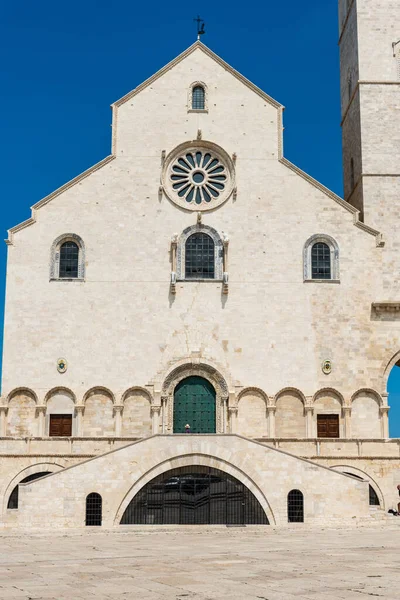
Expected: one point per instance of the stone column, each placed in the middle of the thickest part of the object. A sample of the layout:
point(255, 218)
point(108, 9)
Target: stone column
point(3, 420)
point(41, 412)
point(347, 422)
point(79, 409)
point(309, 410)
point(233, 417)
point(384, 410)
point(271, 421)
point(118, 408)
point(155, 410)
point(224, 414)
point(164, 400)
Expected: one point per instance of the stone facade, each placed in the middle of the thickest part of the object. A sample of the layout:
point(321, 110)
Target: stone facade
point(282, 347)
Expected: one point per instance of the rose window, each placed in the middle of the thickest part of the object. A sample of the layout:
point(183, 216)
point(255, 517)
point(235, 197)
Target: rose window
point(198, 177)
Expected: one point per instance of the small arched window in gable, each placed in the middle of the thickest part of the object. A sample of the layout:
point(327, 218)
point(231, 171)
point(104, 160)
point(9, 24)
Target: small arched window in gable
point(199, 257)
point(198, 97)
point(68, 258)
point(321, 259)
point(295, 506)
point(94, 509)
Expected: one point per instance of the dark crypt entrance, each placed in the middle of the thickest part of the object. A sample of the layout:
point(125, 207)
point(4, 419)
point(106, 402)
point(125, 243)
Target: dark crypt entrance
point(194, 405)
point(194, 495)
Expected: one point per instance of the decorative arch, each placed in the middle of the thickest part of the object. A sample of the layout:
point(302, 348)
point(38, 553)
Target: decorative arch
point(329, 391)
point(291, 390)
point(98, 389)
point(188, 369)
point(136, 405)
point(374, 393)
point(197, 84)
point(55, 256)
point(98, 420)
point(23, 390)
point(137, 388)
point(22, 419)
point(59, 390)
point(363, 475)
point(365, 414)
point(290, 418)
point(218, 250)
point(252, 417)
point(195, 460)
point(334, 256)
point(31, 470)
point(255, 390)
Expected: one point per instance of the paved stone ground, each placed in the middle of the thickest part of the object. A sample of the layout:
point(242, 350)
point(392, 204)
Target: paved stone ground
point(202, 564)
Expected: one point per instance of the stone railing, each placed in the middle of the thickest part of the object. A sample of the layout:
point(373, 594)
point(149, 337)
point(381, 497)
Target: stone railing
point(307, 448)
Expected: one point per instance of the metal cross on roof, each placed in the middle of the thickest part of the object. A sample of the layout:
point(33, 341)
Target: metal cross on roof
point(200, 27)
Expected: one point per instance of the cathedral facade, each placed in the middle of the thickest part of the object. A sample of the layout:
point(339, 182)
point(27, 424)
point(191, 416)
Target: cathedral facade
point(206, 331)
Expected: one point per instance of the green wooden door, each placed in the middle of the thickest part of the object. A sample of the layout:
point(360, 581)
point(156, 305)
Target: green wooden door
point(194, 404)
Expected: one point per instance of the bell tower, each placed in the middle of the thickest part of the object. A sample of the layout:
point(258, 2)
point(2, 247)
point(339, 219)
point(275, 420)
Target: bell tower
point(369, 40)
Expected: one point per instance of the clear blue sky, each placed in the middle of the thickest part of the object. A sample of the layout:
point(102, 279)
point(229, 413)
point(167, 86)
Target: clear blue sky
point(64, 63)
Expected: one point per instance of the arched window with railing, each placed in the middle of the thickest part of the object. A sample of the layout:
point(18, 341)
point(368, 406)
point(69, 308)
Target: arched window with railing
point(295, 506)
point(199, 256)
point(94, 509)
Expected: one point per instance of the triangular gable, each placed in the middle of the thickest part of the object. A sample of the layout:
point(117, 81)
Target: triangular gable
point(198, 46)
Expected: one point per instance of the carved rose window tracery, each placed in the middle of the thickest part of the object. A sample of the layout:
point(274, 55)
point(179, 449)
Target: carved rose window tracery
point(198, 177)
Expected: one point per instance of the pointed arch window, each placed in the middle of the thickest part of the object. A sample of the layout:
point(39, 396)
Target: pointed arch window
point(68, 258)
point(321, 259)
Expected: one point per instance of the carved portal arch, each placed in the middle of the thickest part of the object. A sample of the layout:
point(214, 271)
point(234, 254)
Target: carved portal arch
point(200, 370)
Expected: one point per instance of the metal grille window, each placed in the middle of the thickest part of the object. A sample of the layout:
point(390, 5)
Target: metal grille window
point(93, 509)
point(295, 507)
point(13, 499)
point(198, 97)
point(321, 261)
point(69, 260)
point(199, 257)
point(194, 495)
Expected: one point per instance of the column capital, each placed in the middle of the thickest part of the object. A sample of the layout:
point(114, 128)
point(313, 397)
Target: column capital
point(155, 408)
point(118, 408)
point(384, 409)
point(346, 409)
point(233, 409)
point(41, 408)
point(271, 408)
point(309, 408)
point(79, 407)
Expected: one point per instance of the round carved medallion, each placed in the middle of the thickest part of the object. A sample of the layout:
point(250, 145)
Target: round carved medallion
point(198, 176)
